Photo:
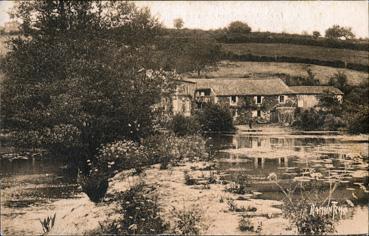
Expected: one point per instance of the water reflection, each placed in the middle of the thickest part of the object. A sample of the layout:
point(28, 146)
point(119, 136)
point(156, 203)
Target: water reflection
point(31, 182)
point(297, 158)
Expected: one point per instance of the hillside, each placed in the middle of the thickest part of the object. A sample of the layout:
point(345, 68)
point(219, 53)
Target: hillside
point(281, 70)
point(300, 51)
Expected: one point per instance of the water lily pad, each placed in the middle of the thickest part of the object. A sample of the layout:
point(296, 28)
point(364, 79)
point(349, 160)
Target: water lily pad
point(350, 189)
point(256, 193)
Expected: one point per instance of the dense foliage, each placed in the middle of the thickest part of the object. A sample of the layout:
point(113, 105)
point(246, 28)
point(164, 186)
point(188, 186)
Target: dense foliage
point(330, 114)
point(238, 27)
point(139, 214)
point(182, 125)
point(189, 54)
point(337, 32)
point(215, 118)
point(169, 149)
point(82, 74)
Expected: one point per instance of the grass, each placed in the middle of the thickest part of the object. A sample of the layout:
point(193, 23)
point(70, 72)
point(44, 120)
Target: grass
point(188, 221)
point(237, 69)
point(48, 223)
point(302, 51)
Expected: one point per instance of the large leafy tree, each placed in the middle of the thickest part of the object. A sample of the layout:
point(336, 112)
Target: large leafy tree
point(336, 32)
point(194, 54)
point(239, 27)
point(81, 75)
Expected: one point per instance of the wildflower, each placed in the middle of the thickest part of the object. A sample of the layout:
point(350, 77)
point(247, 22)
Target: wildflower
point(272, 177)
point(132, 227)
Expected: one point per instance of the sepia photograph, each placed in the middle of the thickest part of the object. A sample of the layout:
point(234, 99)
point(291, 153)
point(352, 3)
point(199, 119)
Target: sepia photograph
point(184, 117)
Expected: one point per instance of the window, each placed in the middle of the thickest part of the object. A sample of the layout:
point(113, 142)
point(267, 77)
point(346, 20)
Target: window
point(281, 99)
point(258, 99)
point(259, 113)
point(202, 94)
point(233, 100)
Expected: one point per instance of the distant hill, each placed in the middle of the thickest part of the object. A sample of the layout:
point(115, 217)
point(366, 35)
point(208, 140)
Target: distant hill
point(280, 47)
point(222, 36)
point(277, 52)
point(246, 69)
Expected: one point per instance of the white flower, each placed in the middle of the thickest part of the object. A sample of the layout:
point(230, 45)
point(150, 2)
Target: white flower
point(272, 177)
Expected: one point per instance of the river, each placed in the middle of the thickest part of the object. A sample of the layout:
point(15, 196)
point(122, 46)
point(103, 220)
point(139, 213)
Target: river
point(31, 183)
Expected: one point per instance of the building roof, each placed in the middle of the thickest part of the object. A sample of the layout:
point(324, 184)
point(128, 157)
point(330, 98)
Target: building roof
point(316, 90)
point(243, 86)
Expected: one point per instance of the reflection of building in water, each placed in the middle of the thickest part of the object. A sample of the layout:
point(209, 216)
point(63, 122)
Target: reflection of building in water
point(262, 142)
point(259, 162)
point(267, 149)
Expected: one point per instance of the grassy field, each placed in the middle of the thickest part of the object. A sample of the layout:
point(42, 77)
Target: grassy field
point(302, 51)
point(276, 69)
point(236, 69)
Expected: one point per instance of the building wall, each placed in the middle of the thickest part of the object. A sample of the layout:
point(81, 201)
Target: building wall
point(260, 110)
point(182, 105)
point(311, 100)
point(307, 101)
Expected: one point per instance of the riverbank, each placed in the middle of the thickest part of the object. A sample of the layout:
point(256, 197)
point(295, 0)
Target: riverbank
point(45, 183)
point(78, 215)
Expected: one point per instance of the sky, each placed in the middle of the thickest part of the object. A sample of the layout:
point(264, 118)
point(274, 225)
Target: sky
point(273, 16)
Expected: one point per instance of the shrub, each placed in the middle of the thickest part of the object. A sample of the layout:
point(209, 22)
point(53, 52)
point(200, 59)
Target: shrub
point(318, 120)
point(48, 223)
point(215, 118)
point(188, 179)
point(140, 213)
point(297, 207)
point(110, 159)
point(245, 224)
point(305, 222)
point(120, 155)
point(232, 206)
point(182, 125)
point(241, 184)
point(308, 120)
point(359, 123)
point(188, 221)
point(95, 186)
point(332, 122)
point(169, 149)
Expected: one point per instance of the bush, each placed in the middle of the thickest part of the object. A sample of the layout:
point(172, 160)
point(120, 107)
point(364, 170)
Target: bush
point(305, 222)
point(111, 158)
point(215, 118)
point(120, 155)
point(240, 184)
point(182, 125)
point(95, 187)
point(359, 123)
point(189, 180)
point(308, 120)
point(48, 223)
point(245, 224)
point(140, 213)
point(187, 222)
point(318, 120)
point(169, 149)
